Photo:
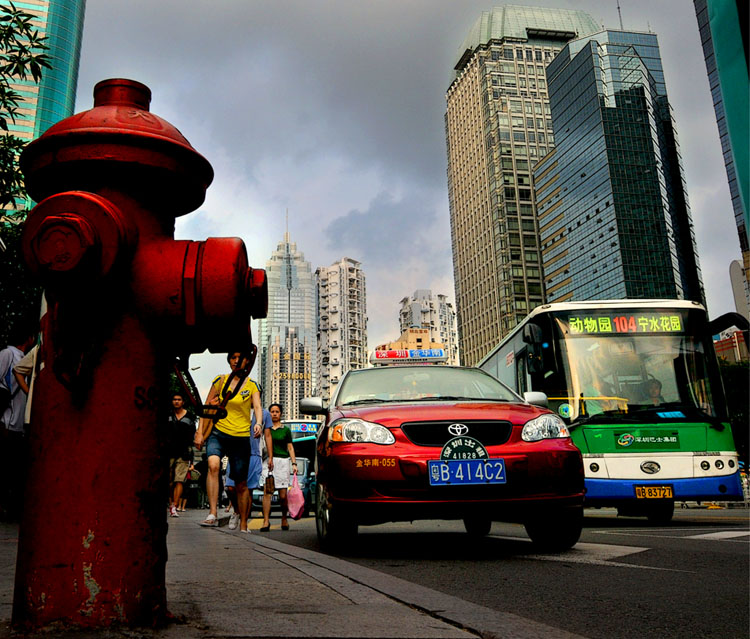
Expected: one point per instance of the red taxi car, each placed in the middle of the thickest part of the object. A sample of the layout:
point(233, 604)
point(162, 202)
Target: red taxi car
point(402, 443)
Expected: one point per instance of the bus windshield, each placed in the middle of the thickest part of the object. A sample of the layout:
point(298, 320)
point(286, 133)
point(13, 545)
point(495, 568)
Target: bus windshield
point(622, 370)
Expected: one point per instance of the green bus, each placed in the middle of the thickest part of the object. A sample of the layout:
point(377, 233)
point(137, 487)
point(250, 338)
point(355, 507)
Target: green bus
point(638, 383)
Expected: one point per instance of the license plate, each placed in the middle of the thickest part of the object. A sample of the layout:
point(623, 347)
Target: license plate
point(654, 492)
point(466, 471)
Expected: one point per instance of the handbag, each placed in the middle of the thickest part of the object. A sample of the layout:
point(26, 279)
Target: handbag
point(295, 500)
point(270, 483)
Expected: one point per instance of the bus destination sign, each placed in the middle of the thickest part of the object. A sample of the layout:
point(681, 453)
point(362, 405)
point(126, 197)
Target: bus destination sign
point(629, 323)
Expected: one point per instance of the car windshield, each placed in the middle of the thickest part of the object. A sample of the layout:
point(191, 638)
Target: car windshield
point(420, 383)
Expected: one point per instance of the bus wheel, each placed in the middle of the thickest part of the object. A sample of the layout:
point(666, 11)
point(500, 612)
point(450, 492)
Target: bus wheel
point(555, 530)
point(660, 512)
point(477, 526)
point(336, 531)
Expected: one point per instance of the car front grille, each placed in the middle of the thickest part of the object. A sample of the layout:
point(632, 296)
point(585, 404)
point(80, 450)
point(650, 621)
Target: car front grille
point(489, 433)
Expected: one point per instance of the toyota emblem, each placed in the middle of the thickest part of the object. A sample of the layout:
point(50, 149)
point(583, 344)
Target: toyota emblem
point(650, 467)
point(458, 429)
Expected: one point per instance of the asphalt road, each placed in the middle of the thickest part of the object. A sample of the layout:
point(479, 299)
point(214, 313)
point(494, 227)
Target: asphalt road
point(625, 578)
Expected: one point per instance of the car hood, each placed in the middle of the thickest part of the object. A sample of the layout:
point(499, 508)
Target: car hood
point(398, 413)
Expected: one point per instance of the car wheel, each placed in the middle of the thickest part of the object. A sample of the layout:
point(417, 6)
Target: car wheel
point(555, 530)
point(660, 512)
point(478, 526)
point(335, 529)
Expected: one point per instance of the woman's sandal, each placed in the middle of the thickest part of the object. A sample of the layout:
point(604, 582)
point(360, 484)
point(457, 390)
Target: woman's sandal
point(210, 521)
point(284, 526)
point(265, 528)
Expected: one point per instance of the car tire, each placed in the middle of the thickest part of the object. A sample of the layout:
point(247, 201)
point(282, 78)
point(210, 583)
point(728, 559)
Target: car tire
point(336, 530)
point(555, 530)
point(660, 512)
point(478, 526)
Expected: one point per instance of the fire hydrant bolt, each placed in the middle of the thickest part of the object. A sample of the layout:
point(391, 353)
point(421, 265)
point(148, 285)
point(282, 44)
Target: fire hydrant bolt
point(62, 241)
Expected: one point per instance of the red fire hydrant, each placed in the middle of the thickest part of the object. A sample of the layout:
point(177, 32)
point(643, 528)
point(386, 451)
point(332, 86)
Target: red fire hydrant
point(124, 299)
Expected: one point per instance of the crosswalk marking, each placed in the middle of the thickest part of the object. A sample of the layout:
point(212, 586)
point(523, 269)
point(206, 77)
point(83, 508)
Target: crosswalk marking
point(591, 554)
point(724, 534)
point(660, 533)
point(600, 555)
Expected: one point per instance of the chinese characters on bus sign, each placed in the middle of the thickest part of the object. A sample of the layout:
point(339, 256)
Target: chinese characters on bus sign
point(632, 323)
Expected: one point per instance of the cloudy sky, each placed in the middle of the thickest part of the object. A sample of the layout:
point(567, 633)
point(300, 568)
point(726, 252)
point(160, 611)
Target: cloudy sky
point(333, 110)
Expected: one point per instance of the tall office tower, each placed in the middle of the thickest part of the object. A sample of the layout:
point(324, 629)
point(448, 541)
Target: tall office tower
point(612, 203)
point(286, 337)
point(723, 27)
point(53, 99)
point(435, 313)
point(497, 125)
point(342, 322)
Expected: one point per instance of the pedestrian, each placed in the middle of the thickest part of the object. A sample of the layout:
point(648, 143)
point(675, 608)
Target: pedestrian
point(230, 436)
point(280, 454)
point(181, 432)
point(12, 427)
point(254, 471)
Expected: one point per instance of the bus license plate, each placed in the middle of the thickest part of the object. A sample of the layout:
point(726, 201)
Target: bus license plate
point(466, 471)
point(654, 492)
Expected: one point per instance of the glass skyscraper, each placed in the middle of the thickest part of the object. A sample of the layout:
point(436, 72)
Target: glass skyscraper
point(54, 98)
point(287, 336)
point(497, 126)
point(724, 33)
point(612, 204)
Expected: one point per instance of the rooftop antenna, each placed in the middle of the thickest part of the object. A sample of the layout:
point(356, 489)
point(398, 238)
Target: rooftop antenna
point(288, 264)
point(619, 13)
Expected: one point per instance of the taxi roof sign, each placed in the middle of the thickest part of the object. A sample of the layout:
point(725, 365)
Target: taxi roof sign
point(383, 357)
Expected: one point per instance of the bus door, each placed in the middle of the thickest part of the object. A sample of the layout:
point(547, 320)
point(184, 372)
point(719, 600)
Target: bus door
point(522, 374)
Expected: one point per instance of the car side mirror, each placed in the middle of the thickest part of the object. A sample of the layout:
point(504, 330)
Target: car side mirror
point(536, 398)
point(312, 406)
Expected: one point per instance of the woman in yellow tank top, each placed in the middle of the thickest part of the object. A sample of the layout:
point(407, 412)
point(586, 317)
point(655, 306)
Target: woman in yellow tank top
point(230, 436)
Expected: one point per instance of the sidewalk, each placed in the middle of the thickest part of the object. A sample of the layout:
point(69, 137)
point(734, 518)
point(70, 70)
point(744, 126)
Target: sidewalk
point(222, 583)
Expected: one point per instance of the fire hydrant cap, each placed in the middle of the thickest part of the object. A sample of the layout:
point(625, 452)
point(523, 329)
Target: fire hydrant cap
point(119, 138)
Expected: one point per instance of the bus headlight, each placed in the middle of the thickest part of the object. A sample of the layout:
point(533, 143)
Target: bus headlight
point(544, 427)
point(361, 432)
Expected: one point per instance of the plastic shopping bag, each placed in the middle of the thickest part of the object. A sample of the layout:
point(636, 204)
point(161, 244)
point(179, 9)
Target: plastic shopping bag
point(295, 500)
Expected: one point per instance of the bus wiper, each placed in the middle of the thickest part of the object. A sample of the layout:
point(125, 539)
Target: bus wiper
point(605, 418)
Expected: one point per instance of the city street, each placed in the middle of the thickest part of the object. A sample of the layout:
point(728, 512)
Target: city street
point(625, 578)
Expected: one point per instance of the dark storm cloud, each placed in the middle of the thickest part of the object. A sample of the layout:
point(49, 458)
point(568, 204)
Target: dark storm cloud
point(406, 227)
point(327, 107)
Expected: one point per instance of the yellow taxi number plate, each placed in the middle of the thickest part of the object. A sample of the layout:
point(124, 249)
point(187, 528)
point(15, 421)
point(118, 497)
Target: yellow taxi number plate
point(654, 492)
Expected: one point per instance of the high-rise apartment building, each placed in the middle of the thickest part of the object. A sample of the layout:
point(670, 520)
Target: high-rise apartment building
point(342, 322)
point(53, 99)
point(434, 313)
point(287, 336)
point(612, 203)
point(497, 126)
point(723, 27)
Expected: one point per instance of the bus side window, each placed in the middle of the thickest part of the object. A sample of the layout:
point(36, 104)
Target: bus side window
point(522, 384)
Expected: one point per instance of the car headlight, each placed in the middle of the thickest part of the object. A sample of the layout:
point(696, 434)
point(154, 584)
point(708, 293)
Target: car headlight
point(361, 432)
point(547, 426)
